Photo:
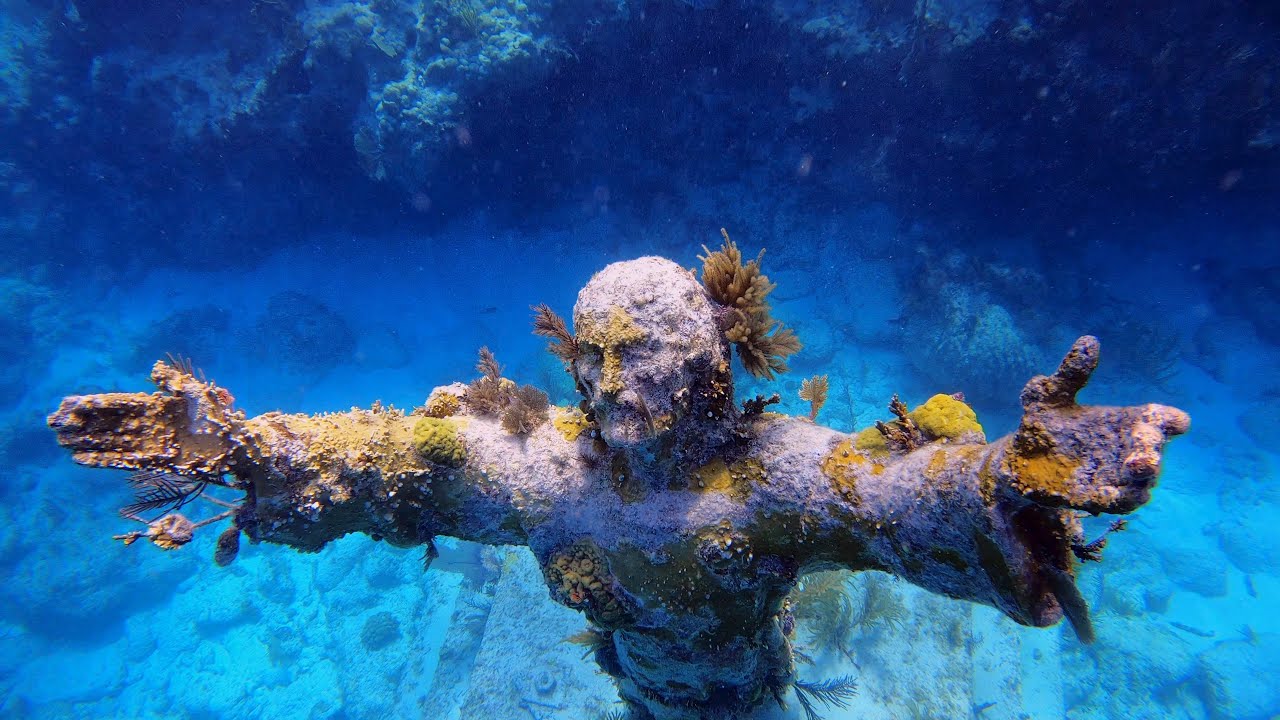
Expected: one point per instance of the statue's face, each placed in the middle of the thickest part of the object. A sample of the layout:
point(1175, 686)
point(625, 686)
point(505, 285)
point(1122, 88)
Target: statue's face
point(648, 339)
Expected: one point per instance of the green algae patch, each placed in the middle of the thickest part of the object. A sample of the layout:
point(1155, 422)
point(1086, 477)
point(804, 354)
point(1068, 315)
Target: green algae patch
point(871, 441)
point(678, 583)
point(624, 482)
point(949, 557)
point(678, 580)
point(437, 440)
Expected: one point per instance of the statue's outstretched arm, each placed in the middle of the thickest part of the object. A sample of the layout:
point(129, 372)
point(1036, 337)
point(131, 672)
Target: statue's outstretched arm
point(999, 523)
point(306, 479)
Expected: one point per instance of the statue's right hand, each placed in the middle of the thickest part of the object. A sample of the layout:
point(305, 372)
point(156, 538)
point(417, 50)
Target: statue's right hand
point(187, 428)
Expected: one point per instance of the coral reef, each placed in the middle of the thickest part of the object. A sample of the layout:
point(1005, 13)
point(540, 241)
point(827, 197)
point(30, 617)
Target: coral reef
point(193, 332)
point(444, 402)
point(27, 318)
point(579, 577)
point(432, 96)
point(684, 523)
point(436, 439)
point(571, 422)
point(380, 631)
point(946, 417)
point(958, 323)
point(303, 334)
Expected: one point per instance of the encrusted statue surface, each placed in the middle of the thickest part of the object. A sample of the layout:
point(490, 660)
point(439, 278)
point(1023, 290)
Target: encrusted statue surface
point(676, 520)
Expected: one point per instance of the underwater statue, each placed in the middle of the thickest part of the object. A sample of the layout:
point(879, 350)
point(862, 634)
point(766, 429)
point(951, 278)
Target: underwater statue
point(674, 518)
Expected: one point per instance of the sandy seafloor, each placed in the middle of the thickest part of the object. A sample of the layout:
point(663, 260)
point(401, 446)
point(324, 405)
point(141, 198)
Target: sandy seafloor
point(1186, 600)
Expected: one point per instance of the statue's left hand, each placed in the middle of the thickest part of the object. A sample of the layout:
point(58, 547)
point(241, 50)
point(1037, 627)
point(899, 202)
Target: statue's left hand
point(1092, 458)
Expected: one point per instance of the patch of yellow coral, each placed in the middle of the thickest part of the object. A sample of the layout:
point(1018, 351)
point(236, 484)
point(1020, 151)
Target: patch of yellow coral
point(437, 440)
point(357, 440)
point(570, 422)
point(843, 465)
point(735, 479)
point(619, 331)
point(937, 463)
point(1044, 477)
point(943, 416)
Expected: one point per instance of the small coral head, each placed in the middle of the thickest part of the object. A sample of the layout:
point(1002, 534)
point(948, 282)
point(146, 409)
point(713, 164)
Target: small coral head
point(649, 340)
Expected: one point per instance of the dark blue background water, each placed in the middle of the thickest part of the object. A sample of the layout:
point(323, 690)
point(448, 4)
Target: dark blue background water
point(329, 203)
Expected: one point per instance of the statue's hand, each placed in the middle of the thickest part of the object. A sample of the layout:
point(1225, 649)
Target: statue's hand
point(187, 428)
point(1097, 459)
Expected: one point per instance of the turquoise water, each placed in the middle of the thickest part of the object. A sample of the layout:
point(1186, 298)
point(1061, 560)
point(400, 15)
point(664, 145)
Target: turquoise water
point(329, 204)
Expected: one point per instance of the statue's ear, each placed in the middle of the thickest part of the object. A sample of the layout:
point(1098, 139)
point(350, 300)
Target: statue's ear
point(1060, 388)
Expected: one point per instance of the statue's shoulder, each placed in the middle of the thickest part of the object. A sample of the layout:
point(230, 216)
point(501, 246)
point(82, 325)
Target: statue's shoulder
point(775, 435)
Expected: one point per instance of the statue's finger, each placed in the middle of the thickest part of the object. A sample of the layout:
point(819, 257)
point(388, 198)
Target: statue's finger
point(1170, 420)
point(1156, 425)
point(94, 422)
point(1060, 388)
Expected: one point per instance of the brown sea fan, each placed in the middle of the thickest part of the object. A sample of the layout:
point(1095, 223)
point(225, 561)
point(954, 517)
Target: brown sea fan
point(487, 365)
point(161, 491)
point(763, 343)
point(547, 324)
point(525, 411)
point(814, 390)
point(488, 394)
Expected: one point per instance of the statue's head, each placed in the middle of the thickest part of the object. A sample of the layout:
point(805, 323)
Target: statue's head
point(651, 349)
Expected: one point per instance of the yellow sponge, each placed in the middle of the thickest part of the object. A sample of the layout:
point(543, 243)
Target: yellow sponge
point(943, 416)
point(436, 439)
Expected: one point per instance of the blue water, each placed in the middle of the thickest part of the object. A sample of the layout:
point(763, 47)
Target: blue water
point(329, 203)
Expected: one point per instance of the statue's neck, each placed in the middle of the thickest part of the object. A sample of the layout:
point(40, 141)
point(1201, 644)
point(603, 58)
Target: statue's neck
point(690, 442)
